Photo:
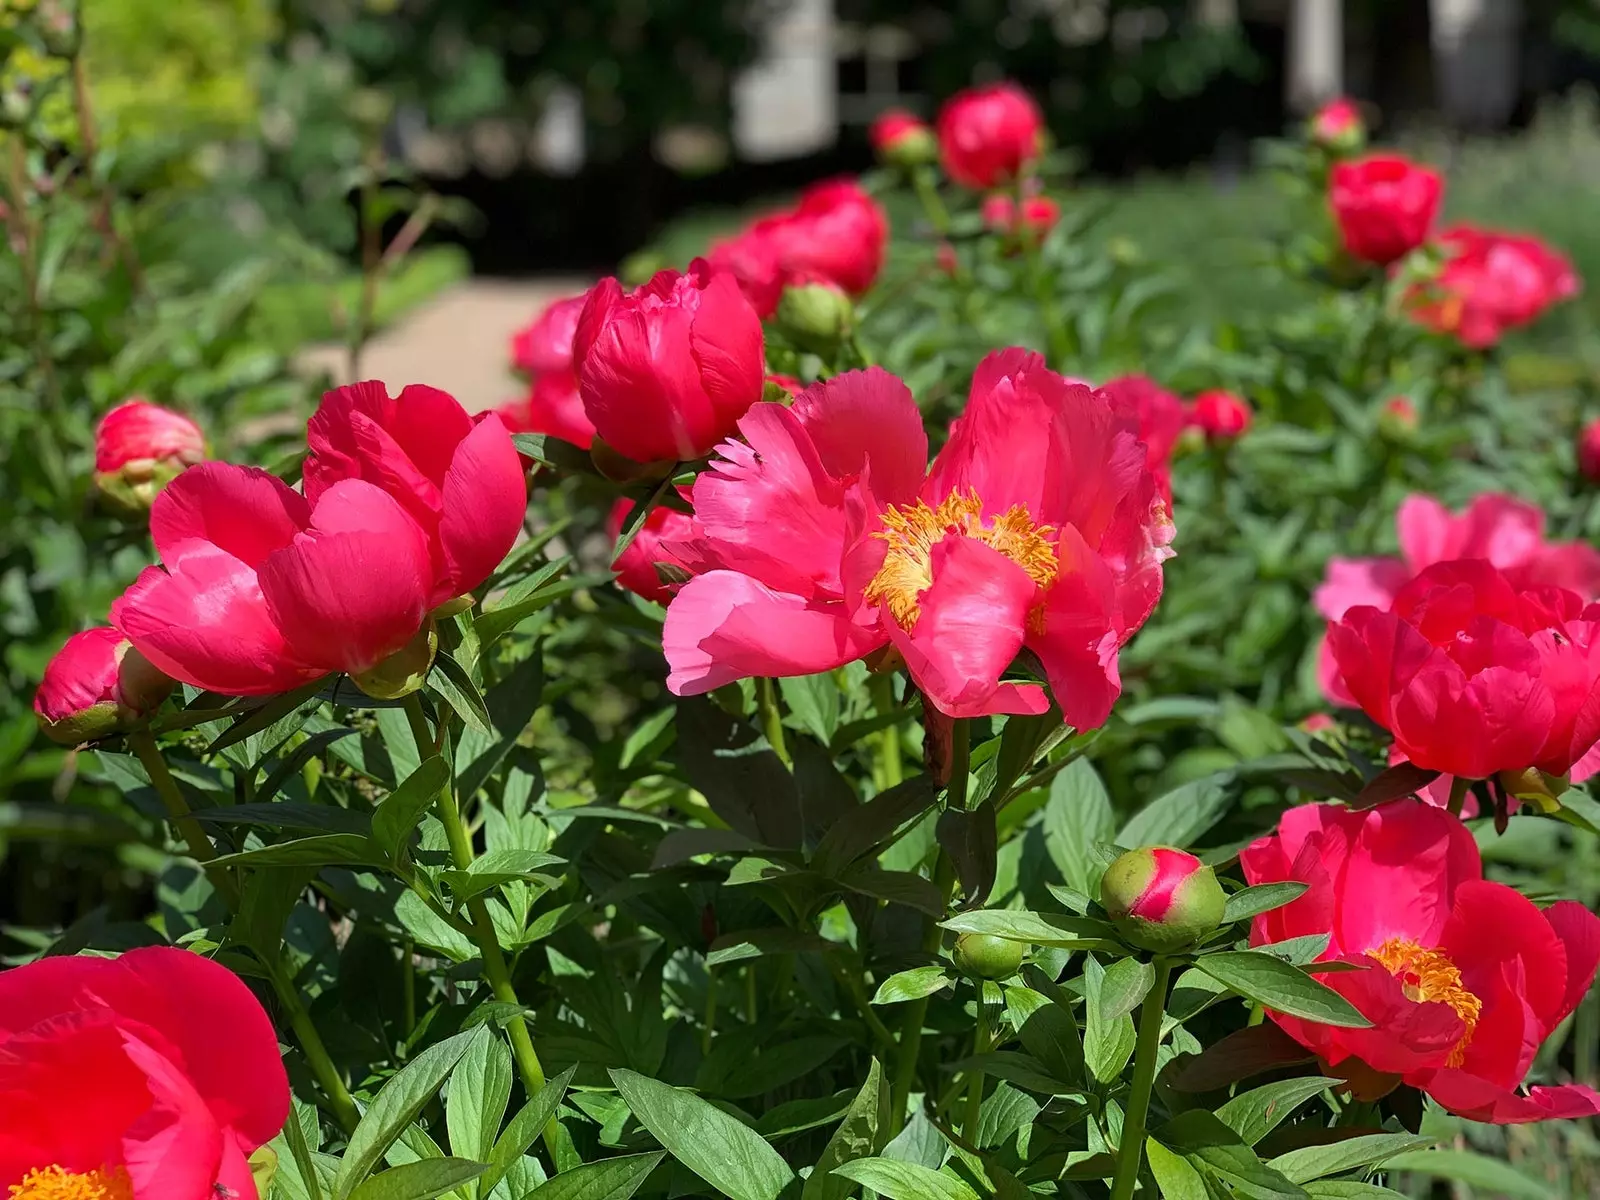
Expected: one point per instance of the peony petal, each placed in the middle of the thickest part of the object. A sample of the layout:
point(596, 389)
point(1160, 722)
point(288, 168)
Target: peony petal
point(485, 500)
point(867, 421)
point(1506, 531)
point(174, 1149)
point(969, 630)
point(1579, 932)
point(1406, 868)
point(334, 452)
point(1081, 635)
point(1492, 926)
point(207, 624)
point(1406, 1035)
point(767, 507)
point(1479, 1100)
point(641, 387)
point(1377, 655)
point(724, 626)
point(1351, 582)
point(428, 425)
point(234, 1180)
point(726, 342)
point(356, 587)
point(241, 510)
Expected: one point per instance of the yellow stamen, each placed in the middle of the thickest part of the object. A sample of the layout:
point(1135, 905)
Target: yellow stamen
point(1430, 975)
point(912, 530)
point(54, 1183)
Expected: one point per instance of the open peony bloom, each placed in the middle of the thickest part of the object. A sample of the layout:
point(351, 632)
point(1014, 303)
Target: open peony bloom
point(1475, 677)
point(151, 1075)
point(1384, 205)
point(139, 448)
point(460, 480)
point(989, 135)
point(666, 371)
point(1463, 979)
point(1491, 283)
point(546, 343)
point(836, 233)
point(1507, 532)
point(823, 537)
point(96, 685)
point(636, 568)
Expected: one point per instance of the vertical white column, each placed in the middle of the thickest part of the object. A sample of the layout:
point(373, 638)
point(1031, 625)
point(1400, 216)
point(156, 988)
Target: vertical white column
point(1316, 53)
point(786, 104)
point(1477, 59)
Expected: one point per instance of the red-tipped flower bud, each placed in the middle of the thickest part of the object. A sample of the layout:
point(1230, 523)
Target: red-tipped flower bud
point(1589, 451)
point(985, 956)
point(1221, 416)
point(139, 448)
point(1398, 420)
point(1161, 899)
point(1337, 126)
point(903, 140)
point(97, 685)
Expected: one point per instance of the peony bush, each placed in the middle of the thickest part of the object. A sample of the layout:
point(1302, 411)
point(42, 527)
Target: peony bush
point(884, 713)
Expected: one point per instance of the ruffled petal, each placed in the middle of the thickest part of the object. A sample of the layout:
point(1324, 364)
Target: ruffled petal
point(243, 511)
point(1351, 582)
point(174, 1149)
point(1403, 875)
point(428, 424)
point(867, 421)
point(724, 626)
point(1480, 1100)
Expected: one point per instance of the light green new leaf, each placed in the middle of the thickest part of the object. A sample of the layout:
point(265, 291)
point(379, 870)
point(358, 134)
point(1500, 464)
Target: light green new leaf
point(1264, 897)
point(1174, 1176)
point(1475, 1170)
point(1180, 816)
point(480, 1088)
point(726, 1153)
point(523, 1129)
point(911, 985)
point(1278, 985)
point(895, 1180)
point(420, 1180)
point(398, 814)
point(1041, 929)
point(1314, 1162)
point(609, 1179)
point(397, 1105)
point(859, 1136)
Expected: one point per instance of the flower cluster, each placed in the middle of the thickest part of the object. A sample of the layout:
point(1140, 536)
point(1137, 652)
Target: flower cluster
point(543, 352)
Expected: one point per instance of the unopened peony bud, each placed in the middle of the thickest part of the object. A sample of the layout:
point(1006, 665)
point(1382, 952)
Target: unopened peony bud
point(1398, 420)
point(1221, 416)
point(816, 316)
point(1161, 899)
point(1337, 126)
point(985, 956)
point(97, 685)
point(139, 448)
point(902, 140)
point(1589, 451)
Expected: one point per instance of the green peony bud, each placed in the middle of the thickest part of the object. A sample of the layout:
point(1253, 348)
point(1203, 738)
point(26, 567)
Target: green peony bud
point(1162, 900)
point(985, 956)
point(816, 316)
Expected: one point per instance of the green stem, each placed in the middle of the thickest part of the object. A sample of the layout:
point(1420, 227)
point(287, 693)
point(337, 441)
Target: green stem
point(200, 847)
point(932, 206)
point(980, 1046)
point(850, 983)
point(905, 1069)
point(890, 769)
point(317, 1058)
point(750, 992)
point(711, 1010)
point(408, 997)
point(960, 765)
point(495, 970)
point(1130, 1152)
point(772, 721)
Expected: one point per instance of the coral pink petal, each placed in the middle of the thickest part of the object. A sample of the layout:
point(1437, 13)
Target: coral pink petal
point(768, 508)
point(1079, 642)
point(234, 1181)
point(867, 417)
point(1579, 931)
point(1407, 864)
point(1405, 1035)
point(1494, 929)
point(970, 627)
point(724, 626)
point(241, 510)
point(334, 454)
point(207, 624)
point(428, 424)
point(1004, 445)
point(1506, 531)
point(174, 1149)
point(485, 500)
point(1350, 582)
point(1480, 1100)
point(356, 587)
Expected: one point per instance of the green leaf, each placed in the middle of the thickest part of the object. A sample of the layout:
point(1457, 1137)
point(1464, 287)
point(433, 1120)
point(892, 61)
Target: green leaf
point(450, 682)
point(912, 985)
point(268, 897)
point(420, 1180)
point(863, 830)
point(1107, 1043)
point(397, 1105)
point(1039, 929)
point(325, 850)
point(500, 867)
point(480, 1089)
point(1335, 1158)
point(491, 626)
point(1350, 1189)
point(895, 1180)
point(858, 1136)
point(969, 838)
point(1239, 1055)
point(1217, 1151)
point(756, 943)
point(264, 717)
point(1050, 1033)
point(512, 702)
point(1180, 816)
point(315, 744)
point(1474, 1170)
point(325, 818)
point(1256, 1113)
point(1077, 817)
point(1264, 897)
point(609, 1179)
point(813, 700)
point(523, 1129)
point(1175, 1178)
point(1125, 984)
point(398, 813)
point(723, 1151)
point(1277, 985)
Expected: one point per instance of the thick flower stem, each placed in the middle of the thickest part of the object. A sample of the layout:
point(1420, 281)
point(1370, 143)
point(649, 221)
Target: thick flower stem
point(496, 972)
point(980, 1046)
point(960, 765)
point(1130, 1153)
point(772, 721)
point(910, 1040)
point(890, 771)
point(200, 847)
